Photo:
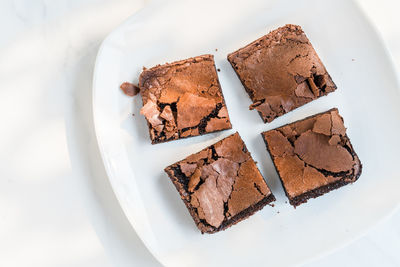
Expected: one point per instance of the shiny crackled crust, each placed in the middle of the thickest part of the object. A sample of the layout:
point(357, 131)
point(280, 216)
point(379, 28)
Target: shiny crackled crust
point(183, 99)
point(220, 185)
point(313, 156)
point(281, 71)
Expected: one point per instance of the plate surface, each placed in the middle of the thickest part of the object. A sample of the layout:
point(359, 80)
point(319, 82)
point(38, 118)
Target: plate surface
point(367, 97)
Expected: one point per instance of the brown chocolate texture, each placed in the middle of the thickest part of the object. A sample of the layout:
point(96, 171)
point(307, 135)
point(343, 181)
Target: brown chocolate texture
point(311, 154)
point(129, 89)
point(281, 71)
point(220, 185)
point(183, 99)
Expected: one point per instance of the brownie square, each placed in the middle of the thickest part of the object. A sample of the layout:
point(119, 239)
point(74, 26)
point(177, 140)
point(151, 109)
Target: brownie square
point(313, 156)
point(220, 185)
point(183, 99)
point(281, 71)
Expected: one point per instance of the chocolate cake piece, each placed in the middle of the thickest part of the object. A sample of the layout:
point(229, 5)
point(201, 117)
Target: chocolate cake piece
point(183, 99)
point(220, 185)
point(281, 71)
point(313, 156)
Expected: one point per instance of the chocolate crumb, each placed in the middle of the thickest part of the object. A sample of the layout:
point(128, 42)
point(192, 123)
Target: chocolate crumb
point(129, 89)
point(218, 70)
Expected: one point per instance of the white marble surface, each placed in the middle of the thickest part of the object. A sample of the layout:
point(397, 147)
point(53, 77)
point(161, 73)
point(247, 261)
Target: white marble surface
point(56, 204)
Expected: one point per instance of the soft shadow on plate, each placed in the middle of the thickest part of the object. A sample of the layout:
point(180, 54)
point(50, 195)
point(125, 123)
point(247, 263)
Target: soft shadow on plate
point(87, 164)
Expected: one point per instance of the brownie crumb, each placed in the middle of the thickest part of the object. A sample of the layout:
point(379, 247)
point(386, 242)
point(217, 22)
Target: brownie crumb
point(218, 70)
point(216, 49)
point(129, 89)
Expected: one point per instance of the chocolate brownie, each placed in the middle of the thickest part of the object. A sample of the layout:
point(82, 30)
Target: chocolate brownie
point(313, 156)
point(183, 99)
point(220, 185)
point(281, 71)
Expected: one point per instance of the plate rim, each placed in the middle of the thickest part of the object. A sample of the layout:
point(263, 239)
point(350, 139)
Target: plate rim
point(100, 145)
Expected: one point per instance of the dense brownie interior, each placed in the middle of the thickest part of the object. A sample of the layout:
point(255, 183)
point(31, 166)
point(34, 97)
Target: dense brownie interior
point(220, 185)
point(183, 99)
point(313, 156)
point(281, 71)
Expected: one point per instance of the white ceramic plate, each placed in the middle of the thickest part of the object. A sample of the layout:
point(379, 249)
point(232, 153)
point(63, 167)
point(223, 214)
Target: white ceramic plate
point(367, 97)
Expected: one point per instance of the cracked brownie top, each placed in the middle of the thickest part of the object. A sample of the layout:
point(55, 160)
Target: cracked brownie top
point(281, 71)
point(183, 99)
